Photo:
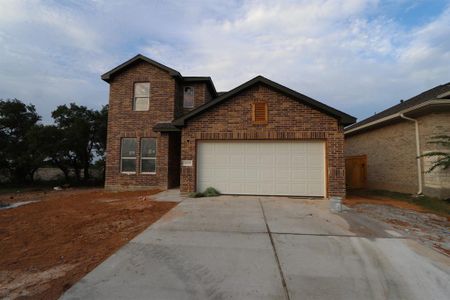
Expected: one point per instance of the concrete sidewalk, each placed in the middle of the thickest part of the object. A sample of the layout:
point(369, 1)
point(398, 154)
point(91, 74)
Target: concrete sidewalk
point(247, 247)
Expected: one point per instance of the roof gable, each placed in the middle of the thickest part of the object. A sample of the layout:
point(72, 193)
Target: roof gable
point(108, 75)
point(344, 118)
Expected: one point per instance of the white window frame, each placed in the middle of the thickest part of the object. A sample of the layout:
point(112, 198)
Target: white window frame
point(127, 157)
point(136, 97)
point(193, 96)
point(148, 158)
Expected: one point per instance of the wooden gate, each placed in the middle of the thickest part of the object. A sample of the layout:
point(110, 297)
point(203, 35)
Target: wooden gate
point(356, 171)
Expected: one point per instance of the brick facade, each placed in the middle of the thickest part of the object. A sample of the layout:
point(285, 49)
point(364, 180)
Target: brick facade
point(124, 122)
point(287, 119)
point(391, 155)
point(201, 94)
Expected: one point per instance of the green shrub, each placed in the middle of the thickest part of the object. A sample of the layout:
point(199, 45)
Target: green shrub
point(211, 192)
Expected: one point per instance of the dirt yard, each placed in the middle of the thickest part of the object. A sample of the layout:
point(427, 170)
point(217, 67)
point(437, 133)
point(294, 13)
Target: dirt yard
point(410, 220)
point(48, 245)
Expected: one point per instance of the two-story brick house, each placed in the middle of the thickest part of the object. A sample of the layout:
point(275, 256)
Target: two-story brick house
point(167, 130)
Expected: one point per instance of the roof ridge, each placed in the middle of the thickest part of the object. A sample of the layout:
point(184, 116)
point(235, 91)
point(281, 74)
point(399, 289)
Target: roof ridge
point(343, 117)
point(107, 76)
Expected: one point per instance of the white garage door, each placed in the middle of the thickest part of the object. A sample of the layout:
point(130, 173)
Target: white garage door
point(294, 168)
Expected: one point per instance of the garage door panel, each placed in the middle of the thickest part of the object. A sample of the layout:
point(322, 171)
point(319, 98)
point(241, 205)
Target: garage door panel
point(262, 167)
point(315, 174)
point(315, 189)
point(266, 174)
point(266, 188)
point(251, 160)
point(282, 174)
point(300, 188)
point(282, 160)
point(299, 175)
point(282, 188)
point(251, 175)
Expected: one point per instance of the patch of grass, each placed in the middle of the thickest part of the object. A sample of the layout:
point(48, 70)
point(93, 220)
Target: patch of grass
point(209, 192)
point(435, 205)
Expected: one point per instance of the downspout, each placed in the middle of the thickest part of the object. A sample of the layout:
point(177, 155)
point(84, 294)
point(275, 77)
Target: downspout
point(419, 165)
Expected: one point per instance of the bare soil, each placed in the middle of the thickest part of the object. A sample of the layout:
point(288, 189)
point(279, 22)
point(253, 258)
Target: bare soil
point(410, 220)
point(48, 245)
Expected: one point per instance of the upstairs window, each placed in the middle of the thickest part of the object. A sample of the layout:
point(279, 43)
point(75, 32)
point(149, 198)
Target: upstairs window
point(148, 155)
point(259, 113)
point(188, 97)
point(141, 98)
point(128, 155)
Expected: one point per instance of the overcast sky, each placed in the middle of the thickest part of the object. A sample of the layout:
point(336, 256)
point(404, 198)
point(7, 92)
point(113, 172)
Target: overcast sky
point(360, 56)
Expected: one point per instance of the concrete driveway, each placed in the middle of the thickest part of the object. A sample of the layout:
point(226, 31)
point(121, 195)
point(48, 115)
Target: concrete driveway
point(248, 247)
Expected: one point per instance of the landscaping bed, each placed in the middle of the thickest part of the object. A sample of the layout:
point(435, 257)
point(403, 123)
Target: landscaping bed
point(48, 245)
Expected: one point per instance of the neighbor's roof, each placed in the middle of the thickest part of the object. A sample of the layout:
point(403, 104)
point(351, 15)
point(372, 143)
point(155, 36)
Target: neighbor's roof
point(107, 76)
point(438, 92)
point(344, 118)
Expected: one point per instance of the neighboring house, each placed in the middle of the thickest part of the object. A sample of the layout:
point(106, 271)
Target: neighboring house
point(167, 130)
point(386, 147)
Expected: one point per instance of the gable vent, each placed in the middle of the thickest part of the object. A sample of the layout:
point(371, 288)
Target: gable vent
point(259, 115)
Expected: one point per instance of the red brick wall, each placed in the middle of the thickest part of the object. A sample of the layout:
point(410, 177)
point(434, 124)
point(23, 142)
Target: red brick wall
point(201, 94)
point(124, 122)
point(287, 119)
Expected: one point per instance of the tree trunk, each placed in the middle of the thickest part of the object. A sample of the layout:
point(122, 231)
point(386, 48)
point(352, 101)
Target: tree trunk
point(32, 174)
point(77, 174)
point(86, 172)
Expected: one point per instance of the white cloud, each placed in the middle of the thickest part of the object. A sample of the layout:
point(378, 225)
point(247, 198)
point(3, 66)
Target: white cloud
point(349, 54)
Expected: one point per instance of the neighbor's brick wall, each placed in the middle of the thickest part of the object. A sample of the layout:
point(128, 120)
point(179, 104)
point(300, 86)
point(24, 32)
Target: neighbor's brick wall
point(288, 119)
point(124, 122)
point(391, 155)
point(391, 152)
point(437, 182)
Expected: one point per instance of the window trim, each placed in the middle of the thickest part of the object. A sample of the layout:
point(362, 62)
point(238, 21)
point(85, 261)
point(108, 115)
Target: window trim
point(148, 158)
point(266, 117)
point(127, 157)
point(193, 96)
point(133, 104)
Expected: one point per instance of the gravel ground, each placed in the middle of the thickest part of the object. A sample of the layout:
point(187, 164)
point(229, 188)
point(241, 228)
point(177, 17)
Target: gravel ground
point(427, 228)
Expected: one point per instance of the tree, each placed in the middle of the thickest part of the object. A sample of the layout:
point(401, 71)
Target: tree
point(19, 154)
point(56, 149)
point(82, 135)
point(442, 157)
point(101, 124)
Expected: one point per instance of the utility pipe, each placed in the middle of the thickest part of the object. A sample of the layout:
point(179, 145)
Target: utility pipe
point(419, 165)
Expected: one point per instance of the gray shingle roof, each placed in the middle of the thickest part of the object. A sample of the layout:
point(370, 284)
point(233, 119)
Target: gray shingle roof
point(416, 100)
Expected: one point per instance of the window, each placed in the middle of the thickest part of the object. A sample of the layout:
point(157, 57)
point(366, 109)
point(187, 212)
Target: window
point(148, 155)
point(259, 112)
point(128, 155)
point(141, 99)
point(188, 98)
